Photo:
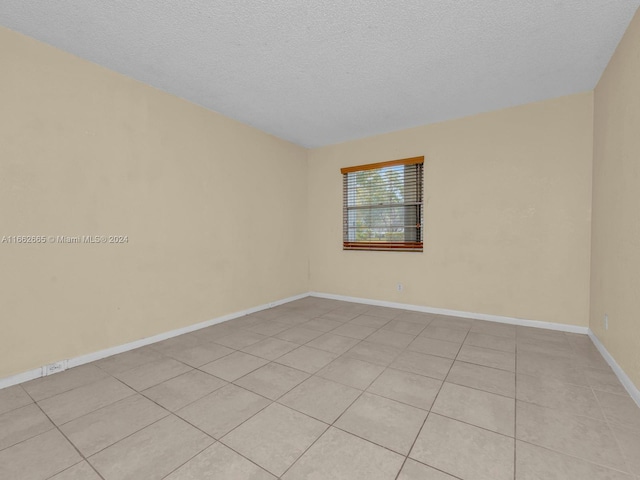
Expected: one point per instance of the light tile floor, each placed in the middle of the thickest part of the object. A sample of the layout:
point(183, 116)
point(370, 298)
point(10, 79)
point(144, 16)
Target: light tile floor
point(327, 390)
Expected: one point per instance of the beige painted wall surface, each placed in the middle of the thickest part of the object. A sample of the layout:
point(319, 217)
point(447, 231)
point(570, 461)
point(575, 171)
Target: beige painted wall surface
point(615, 276)
point(507, 216)
point(214, 210)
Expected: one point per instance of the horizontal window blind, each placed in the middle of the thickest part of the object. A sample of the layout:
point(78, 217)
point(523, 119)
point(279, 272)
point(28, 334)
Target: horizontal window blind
point(383, 205)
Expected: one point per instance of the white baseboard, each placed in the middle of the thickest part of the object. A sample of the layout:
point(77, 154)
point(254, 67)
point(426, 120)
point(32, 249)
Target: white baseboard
point(81, 360)
point(620, 373)
point(562, 327)
point(20, 378)
point(107, 352)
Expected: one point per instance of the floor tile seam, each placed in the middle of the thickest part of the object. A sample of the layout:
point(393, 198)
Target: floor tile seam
point(17, 408)
point(412, 323)
point(161, 382)
point(237, 386)
point(543, 338)
point(510, 437)
point(424, 325)
point(357, 398)
point(318, 330)
point(191, 458)
point(294, 368)
point(479, 390)
point(344, 430)
point(21, 388)
point(394, 400)
point(70, 389)
point(296, 342)
point(304, 413)
point(490, 348)
point(306, 345)
point(30, 438)
point(462, 421)
point(484, 332)
point(292, 463)
point(434, 468)
point(74, 465)
point(129, 395)
point(280, 396)
point(82, 456)
point(546, 375)
point(576, 457)
point(557, 360)
point(435, 398)
point(87, 457)
point(204, 371)
point(216, 341)
point(613, 432)
point(52, 426)
point(421, 374)
point(95, 363)
point(355, 338)
point(483, 365)
point(483, 348)
point(299, 344)
point(404, 461)
point(436, 354)
point(561, 410)
point(368, 314)
point(438, 339)
point(226, 433)
point(420, 335)
point(377, 344)
point(210, 361)
point(622, 395)
point(186, 405)
point(414, 442)
point(103, 407)
point(279, 356)
point(602, 421)
point(249, 460)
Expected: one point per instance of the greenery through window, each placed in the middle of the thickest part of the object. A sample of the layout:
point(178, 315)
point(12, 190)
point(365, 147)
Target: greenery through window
point(383, 205)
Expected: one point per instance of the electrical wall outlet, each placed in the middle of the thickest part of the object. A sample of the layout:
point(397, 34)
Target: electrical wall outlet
point(54, 368)
point(606, 321)
point(400, 287)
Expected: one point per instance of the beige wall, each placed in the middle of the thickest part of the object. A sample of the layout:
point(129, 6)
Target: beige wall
point(507, 216)
point(615, 276)
point(214, 210)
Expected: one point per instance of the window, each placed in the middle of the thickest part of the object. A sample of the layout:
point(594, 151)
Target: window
point(383, 206)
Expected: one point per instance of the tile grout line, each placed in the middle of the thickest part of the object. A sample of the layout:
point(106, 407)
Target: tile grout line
point(191, 458)
point(339, 416)
point(570, 455)
point(332, 424)
point(215, 440)
point(82, 456)
point(21, 406)
point(613, 433)
point(430, 409)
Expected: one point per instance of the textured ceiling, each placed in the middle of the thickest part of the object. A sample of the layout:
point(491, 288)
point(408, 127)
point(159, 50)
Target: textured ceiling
point(325, 71)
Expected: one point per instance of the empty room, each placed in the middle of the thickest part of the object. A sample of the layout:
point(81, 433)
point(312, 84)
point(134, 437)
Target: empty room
point(260, 240)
